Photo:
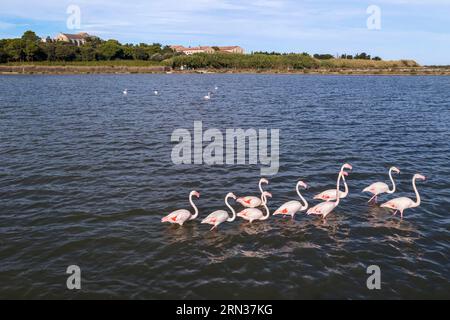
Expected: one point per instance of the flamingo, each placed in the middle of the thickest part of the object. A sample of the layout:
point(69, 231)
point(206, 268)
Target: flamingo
point(252, 214)
point(183, 215)
point(380, 187)
point(208, 96)
point(402, 203)
point(330, 194)
point(250, 201)
point(125, 92)
point(219, 216)
point(326, 207)
point(290, 208)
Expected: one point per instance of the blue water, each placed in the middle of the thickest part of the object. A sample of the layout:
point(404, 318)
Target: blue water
point(86, 175)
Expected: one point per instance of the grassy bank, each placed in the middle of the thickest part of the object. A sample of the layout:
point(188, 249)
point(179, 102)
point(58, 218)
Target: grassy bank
point(278, 62)
point(370, 64)
point(234, 61)
point(33, 69)
point(228, 63)
point(101, 63)
point(79, 69)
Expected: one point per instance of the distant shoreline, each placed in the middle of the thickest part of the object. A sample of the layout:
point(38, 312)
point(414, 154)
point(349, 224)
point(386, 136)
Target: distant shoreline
point(120, 69)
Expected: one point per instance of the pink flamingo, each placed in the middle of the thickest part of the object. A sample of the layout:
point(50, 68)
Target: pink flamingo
point(402, 203)
point(250, 201)
point(326, 207)
point(290, 208)
point(219, 216)
point(183, 215)
point(380, 187)
point(330, 194)
point(252, 214)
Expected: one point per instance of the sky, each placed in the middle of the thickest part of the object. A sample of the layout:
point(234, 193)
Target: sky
point(408, 29)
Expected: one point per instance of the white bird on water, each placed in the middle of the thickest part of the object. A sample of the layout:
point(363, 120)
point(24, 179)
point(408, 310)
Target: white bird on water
point(125, 92)
point(216, 88)
point(377, 188)
point(156, 92)
point(403, 203)
point(208, 96)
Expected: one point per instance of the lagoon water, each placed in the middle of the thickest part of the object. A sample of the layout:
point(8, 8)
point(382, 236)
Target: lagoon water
point(86, 175)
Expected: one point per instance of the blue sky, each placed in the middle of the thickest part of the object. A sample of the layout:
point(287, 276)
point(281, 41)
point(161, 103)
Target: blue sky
point(414, 29)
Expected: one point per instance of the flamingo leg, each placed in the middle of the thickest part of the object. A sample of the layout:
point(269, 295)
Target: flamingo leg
point(213, 227)
point(395, 212)
point(401, 214)
point(372, 198)
point(376, 198)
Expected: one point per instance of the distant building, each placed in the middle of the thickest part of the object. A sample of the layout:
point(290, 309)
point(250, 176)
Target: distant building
point(206, 49)
point(232, 49)
point(177, 48)
point(76, 39)
point(192, 50)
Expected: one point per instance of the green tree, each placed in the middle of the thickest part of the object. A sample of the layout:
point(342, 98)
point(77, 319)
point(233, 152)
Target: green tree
point(49, 50)
point(326, 56)
point(3, 55)
point(363, 56)
point(87, 52)
point(32, 51)
point(14, 48)
point(65, 52)
point(30, 36)
point(139, 53)
point(110, 50)
point(128, 51)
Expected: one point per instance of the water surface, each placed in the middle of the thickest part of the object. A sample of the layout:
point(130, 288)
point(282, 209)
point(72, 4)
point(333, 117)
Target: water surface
point(86, 175)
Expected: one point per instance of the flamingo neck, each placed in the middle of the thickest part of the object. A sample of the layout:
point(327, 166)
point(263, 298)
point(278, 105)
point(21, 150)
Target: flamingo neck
point(264, 203)
point(337, 189)
point(417, 203)
point(393, 182)
point(301, 197)
point(193, 206)
point(232, 211)
point(345, 186)
point(260, 187)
